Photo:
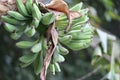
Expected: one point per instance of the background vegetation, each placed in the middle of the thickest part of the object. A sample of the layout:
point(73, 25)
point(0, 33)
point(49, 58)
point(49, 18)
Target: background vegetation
point(104, 14)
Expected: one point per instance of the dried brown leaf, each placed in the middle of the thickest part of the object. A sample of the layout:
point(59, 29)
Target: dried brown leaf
point(52, 35)
point(60, 6)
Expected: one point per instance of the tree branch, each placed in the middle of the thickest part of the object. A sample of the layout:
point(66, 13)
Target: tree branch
point(90, 73)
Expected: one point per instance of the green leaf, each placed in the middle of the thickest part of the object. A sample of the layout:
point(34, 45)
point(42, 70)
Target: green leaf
point(25, 44)
point(38, 64)
point(28, 58)
point(36, 48)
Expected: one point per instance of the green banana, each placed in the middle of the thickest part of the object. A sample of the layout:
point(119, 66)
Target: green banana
point(57, 67)
point(74, 32)
point(23, 65)
point(63, 50)
point(36, 12)
point(21, 8)
point(81, 41)
point(52, 68)
point(38, 63)
point(82, 36)
point(77, 7)
point(30, 32)
point(81, 20)
point(37, 48)
point(16, 36)
point(76, 27)
point(75, 46)
point(16, 15)
point(58, 58)
point(10, 28)
point(87, 28)
point(25, 44)
point(35, 22)
point(10, 20)
point(84, 11)
point(28, 58)
point(48, 18)
point(61, 23)
point(29, 6)
point(65, 38)
point(78, 34)
point(78, 44)
point(62, 18)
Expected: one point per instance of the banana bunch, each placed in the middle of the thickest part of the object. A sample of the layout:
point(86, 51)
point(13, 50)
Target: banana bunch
point(38, 50)
point(31, 21)
point(25, 20)
point(80, 33)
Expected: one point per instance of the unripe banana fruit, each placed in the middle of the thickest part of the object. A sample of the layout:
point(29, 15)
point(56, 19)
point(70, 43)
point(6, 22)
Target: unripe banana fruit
point(78, 44)
point(58, 58)
point(16, 36)
point(30, 32)
point(48, 18)
point(35, 22)
point(36, 12)
point(16, 15)
point(57, 67)
point(21, 8)
point(63, 50)
point(37, 48)
point(65, 38)
point(52, 68)
point(10, 20)
point(10, 28)
point(29, 6)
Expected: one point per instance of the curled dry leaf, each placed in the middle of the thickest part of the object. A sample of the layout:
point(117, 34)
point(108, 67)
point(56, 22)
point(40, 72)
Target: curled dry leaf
point(52, 36)
point(58, 6)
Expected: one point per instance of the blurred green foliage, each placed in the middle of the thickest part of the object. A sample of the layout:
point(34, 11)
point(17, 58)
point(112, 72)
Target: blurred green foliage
point(103, 13)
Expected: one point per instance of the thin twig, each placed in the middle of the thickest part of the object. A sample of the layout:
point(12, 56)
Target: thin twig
point(90, 73)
